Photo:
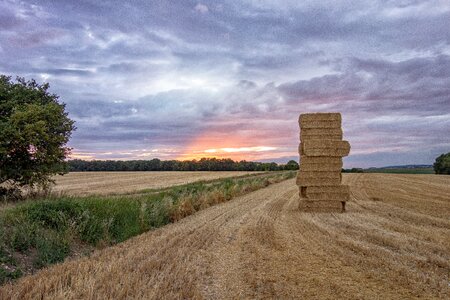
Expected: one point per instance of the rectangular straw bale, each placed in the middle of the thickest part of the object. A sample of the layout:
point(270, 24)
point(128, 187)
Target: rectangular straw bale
point(341, 189)
point(321, 134)
point(320, 167)
point(326, 144)
point(320, 117)
point(325, 148)
point(300, 151)
point(302, 192)
point(320, 124)
point(326, 152)
point(320, 160)
point(318, 179)
point(335, 137)
point(322, 131)
point(319, 174)
point(319, 163)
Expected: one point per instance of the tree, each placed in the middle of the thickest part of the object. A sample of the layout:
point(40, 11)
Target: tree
point(34, 130)
point(291, 165)
point(442, 164)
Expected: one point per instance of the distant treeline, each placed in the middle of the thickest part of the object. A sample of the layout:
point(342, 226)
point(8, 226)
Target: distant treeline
point(204, 164)
point(353, 170)
point(393, 170)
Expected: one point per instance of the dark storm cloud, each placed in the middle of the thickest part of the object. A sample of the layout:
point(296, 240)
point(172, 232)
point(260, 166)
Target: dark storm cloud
point(159, 74)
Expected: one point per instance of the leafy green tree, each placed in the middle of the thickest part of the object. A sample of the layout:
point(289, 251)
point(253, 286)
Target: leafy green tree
point(291, 165)
point(34, 130)
point(442, 164)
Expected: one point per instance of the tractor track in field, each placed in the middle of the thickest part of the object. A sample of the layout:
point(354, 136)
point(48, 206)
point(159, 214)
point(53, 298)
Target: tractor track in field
point(391, 243)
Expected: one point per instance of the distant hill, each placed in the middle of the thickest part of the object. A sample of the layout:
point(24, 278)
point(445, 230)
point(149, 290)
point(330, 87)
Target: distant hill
point(404, 169)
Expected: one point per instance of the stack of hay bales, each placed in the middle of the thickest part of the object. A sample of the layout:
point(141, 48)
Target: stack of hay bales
point(321, 150)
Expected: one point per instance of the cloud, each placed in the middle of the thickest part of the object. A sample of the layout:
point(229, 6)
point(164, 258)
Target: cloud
point(201, 8)
point(190, 76)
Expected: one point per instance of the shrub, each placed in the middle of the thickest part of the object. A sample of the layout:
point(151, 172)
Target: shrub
point(51, 248)
point(112, 220)
point(22, 236)
point(158, 211)
point(442, 164)
point(54, 214)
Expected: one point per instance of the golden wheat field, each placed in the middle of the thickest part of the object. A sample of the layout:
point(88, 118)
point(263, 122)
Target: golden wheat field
point(104, 183)
point(392, 243)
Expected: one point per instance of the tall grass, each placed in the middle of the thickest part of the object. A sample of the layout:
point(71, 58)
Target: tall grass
point(47, 231)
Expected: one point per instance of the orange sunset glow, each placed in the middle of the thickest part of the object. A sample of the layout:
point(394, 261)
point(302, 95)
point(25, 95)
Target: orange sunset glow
point(212, 145)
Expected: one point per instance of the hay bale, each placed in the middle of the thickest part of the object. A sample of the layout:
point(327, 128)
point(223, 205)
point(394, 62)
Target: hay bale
point(319, 174)
point(321, 134)
point(318, 181)
point(324, 148)
point(326, 144)
point(323, 196)
point(319, 178)
point(320, 160)
point(342, 189)
point(335, 137)
point(300, 151)
point(320, 131)
point(320, 124)
point(320, 167)
point(303, 192)
point(319, 163)
point(319, 117)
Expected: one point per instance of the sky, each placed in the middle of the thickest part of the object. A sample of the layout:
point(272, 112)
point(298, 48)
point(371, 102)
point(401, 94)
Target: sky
point(190, 79)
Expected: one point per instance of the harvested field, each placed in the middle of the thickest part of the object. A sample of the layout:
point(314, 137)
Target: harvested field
point(391, 244)
point(104, 183)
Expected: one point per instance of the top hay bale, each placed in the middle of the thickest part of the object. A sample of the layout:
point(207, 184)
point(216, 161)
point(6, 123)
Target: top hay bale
point(320, 117)
point(320, 120)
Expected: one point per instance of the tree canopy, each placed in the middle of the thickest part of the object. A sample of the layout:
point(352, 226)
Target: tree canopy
point(34, 130)
point(204, 164)
point(442, 164)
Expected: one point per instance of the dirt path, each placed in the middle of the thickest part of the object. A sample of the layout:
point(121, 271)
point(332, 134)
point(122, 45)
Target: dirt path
point(392, 243)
